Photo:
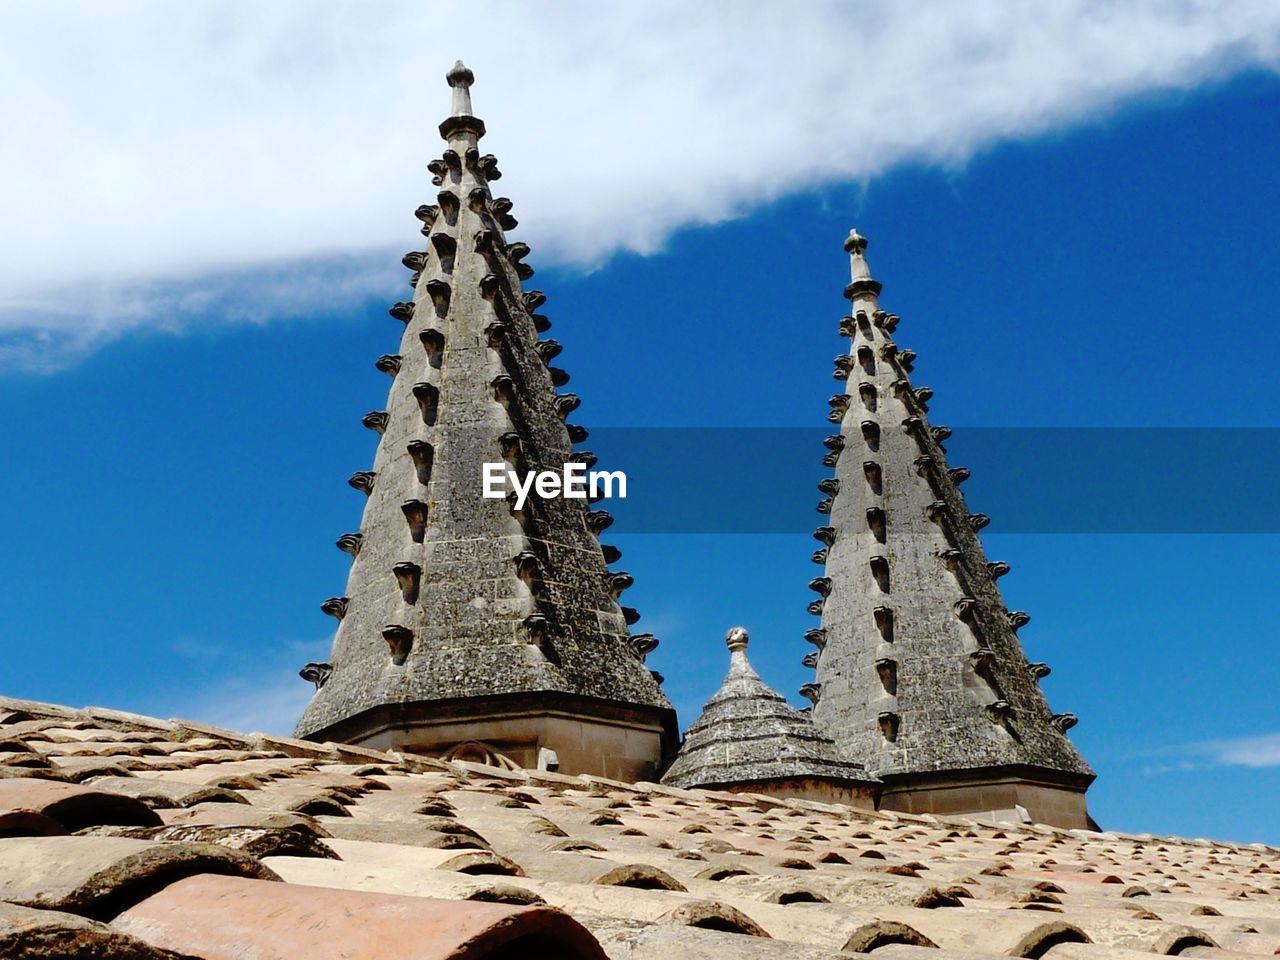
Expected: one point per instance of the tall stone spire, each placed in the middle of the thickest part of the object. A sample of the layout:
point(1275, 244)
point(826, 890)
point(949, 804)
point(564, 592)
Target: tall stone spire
point(919, 671)
point(468, 626)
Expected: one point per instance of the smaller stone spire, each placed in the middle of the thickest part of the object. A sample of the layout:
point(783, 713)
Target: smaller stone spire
point(862, 284)
point(750, 738)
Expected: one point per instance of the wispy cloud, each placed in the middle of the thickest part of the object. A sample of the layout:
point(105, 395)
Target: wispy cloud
point(1261, 750)
point(153, 151)
point(270, 699)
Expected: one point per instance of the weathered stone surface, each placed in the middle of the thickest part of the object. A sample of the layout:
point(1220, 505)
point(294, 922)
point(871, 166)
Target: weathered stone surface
point(27, 934)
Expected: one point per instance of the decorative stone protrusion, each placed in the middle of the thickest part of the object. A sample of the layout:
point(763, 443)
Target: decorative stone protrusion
point(414, 260)
point(883, 617)
point(880, 572)
point(440, 293)
point(875, 476)
point(535, 628)
point(433, 344)
point(815, 606)
point(598, 521)
point(566, 403)
point(997, 569)
point(829, 485)
point(889, 723)
point(403, 311)
point(982, 660)
point(978, 520)
point(826, 535)
point(446, 248)
point(376, 420)
point(415, 514)
point(1064, 721)
point(839, 404)
point(940, 433)
point(618, 583)
point(819, 556)
point(388, 363)
point(641, 645)
point(871, 434)
point(959, 475)
point(423, 455)
point(811, 659)
point(317, 673)
point(966, 608)
point(335, 607)
point(449, 205)
point(409, 576)
point(630, 615)
point(611, 553)
point(362, 480)
point(1018, 619)
point(824, 506)
point(576, 433)
point(501, 209)
point(496, 334)
point(428, 397)
point(533, 299)
point(937, 511)
point(817, 636)
point(887, 671)
point(999, 711)
point(427, 213)
point(350, 543)
point(812, 692)
point(821, 585)
point(399, 641)
point(548, 350)
point(489, 285)
point(951, 558)
point(1038, 671)
point(867, 394)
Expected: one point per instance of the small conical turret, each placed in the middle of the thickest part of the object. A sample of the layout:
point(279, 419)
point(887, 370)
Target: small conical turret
point(748, 737)
point(919, 673)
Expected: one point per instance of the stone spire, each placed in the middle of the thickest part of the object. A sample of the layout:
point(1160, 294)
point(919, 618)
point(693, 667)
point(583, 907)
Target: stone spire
point(468, 624)
point(919, 671)
point(749, 738)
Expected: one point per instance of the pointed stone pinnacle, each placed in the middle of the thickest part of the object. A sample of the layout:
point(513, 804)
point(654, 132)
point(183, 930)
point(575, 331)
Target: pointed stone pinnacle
point(737, 638)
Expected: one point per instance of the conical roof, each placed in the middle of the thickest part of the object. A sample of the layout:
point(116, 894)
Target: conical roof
point(454, 597)
point(918, 667)
point(748, 733)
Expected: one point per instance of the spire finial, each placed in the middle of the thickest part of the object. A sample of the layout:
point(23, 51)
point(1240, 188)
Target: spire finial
point(862, 284)
point(736, 639)
point(461, 79)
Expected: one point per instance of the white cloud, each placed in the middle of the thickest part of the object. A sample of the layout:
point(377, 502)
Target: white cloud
point(1260, 750)
point(149, 145)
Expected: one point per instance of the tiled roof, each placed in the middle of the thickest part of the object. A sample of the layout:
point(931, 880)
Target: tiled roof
point(124, 836)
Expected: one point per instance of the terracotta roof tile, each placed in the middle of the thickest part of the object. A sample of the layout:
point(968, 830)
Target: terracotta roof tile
point(225, 917)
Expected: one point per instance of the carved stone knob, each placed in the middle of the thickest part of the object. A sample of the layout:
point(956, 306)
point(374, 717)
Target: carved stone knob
point(388, 363)
point(403, 310)
point(821, 585)
point(399, 641)
point(350, 543)
point(317, 673)
point(1064, 721)
point(812, 692)
point(376, 420)
point(362, 480)
point(817, 636)
point(335, 607)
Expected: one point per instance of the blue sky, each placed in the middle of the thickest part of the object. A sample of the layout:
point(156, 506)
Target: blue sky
point(174, 487)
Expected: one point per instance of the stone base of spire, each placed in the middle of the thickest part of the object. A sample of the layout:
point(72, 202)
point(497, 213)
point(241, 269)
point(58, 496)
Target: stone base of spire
point(1008, 794)
point(583, 735)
